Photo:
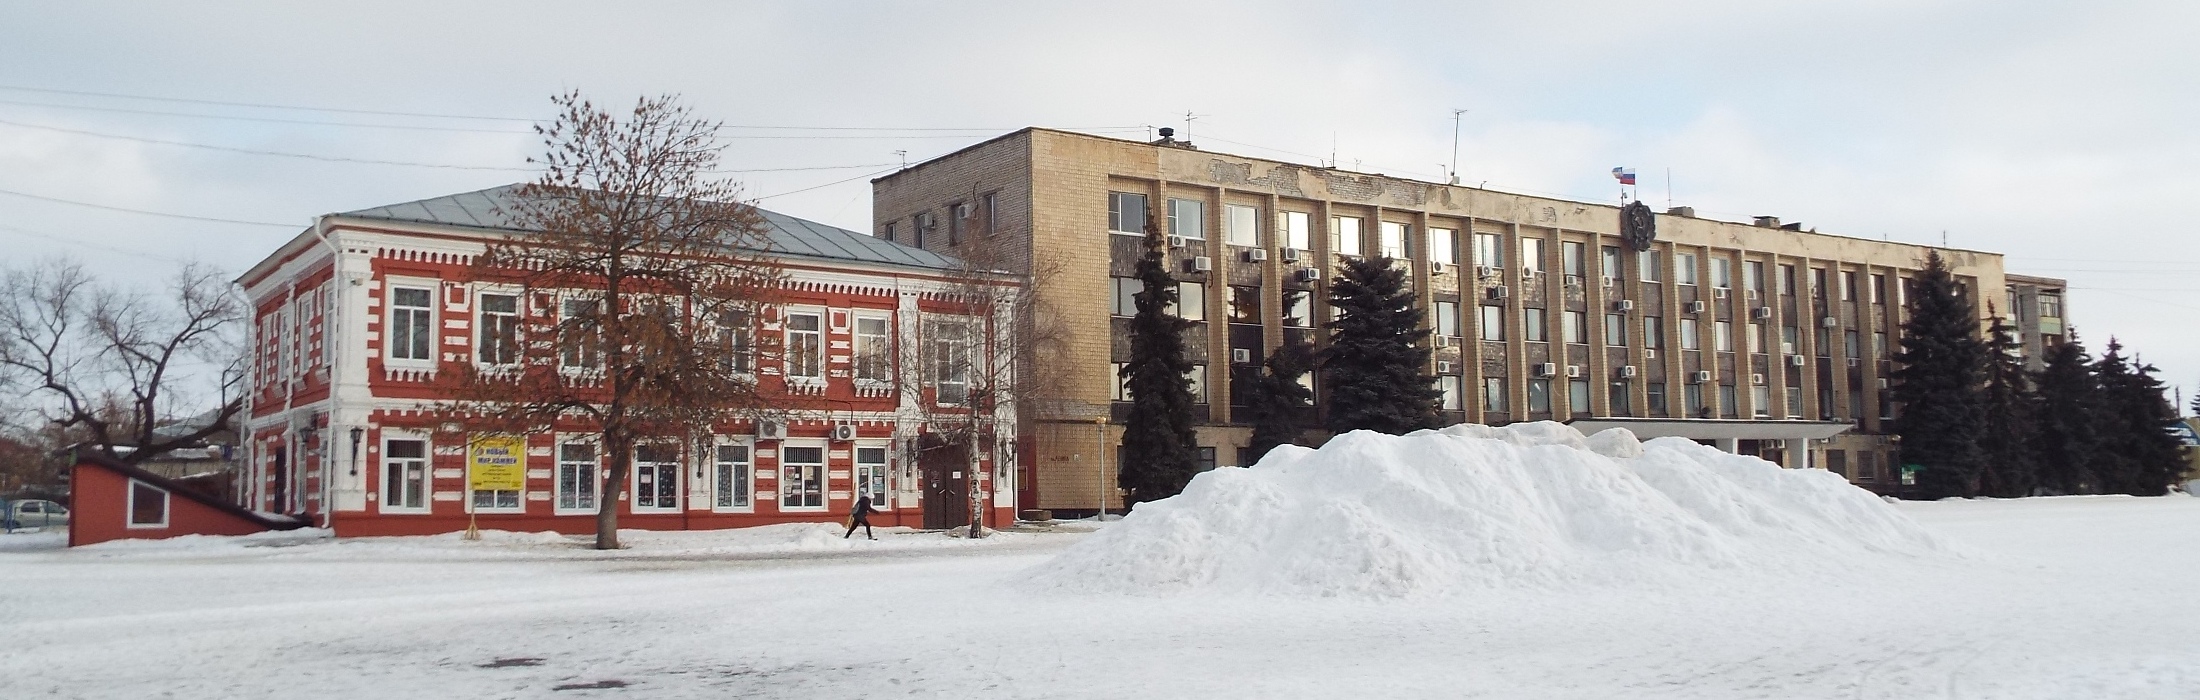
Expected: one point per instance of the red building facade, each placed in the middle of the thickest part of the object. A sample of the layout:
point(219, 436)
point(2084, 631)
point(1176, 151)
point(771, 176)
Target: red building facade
point(364, 321)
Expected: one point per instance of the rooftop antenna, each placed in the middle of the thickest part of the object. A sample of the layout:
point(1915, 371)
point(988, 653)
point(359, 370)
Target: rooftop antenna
point(1668, 188)
point(1188, 118)
point(1332, 149)
point(904, 159)
point(1455, 115)
point(1944, 238)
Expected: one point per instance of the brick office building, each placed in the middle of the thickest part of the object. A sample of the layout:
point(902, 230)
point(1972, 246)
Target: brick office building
point(1757, 337)
point(363, 319)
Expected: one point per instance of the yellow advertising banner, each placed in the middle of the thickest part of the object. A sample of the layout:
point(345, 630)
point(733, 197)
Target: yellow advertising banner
point(496, 463)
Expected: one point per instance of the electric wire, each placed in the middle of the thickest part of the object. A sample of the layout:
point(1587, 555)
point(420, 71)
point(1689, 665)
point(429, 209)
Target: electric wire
point(146, 212)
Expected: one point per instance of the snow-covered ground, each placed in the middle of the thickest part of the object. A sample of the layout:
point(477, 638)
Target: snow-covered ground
point(2062, 598)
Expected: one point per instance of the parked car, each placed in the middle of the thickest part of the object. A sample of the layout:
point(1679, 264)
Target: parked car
point(31, 512)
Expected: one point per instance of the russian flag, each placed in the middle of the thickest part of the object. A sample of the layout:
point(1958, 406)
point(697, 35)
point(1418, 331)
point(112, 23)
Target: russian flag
point(1626, 176)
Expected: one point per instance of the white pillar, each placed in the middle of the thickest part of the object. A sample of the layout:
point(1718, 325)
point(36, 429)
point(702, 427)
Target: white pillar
point(1802, 451)
point(1730, 445)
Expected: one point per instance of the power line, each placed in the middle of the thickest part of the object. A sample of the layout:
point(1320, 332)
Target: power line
point(84, 244)
point(57, 200)
point(258, 105)
point(257, 152)
point(272, 120)
point(829, 184)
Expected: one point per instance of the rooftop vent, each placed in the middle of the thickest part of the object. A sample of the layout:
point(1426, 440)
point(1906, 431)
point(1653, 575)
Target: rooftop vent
point(1168, 138)
point(1768, 221)
point(1689, 212)
point(1797, 226)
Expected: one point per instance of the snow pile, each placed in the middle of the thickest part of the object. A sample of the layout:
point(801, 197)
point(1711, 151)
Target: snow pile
point(1475, 507)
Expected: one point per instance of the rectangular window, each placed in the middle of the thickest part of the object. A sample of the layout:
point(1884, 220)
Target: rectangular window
point(577, 477)
point(1539, 396)
point(1867, 466)
point(888, 233)
point(498, 322)
point(1443, 246)
point(1196, 382)
point(958, 219)
point(1848, 286)
point(404, 475)
point(1755, 337)
point(1532, 328)
point(656, 478)
point(1856, 404)
point(1531, 254)
point(923, 226)
point(1790, 336)
point(1653, 395)
point(1191, 300)
point(1122, 380)
point(2050, 306)
point(1692, 401)
point(1653, 270)
point(1837, 461)
point(1818, 283)
point(1188, 218)
point(1493, 322)
point(1615, 330)
point(1574, 327)
point(148, 505)
point(1825, 403)
point(1722, 273)
point(1571, 258)
point(731, 478)
point(1489, 250)
point(1794, 402)
point(805, 346)
point(1123, 296)
point(1722, 336)
point(736, 337)
point(1447, 319)
point(871, 476)
point(580, 343)
point(951, 362)
point(1577, 396)
point(1493, 394)
point(412, 324)
point(992, 213)
point(1684, 268)
point(874, 350)
point(1850, 343)
point(1617, 395)
point(1297, 230)
point(801, 478)
point(1729, 406)
point(1760, 399)
point(1238, 223)
point(1613, 268)
point(1447, 387)
point(1126, 213)
point(1653, 333)
point(1689, 339)
point(1346, 230)
point(1879, 289)
point(1824, 338)
point(1298, 310)
point(1753, 276)
point(1244, 304)
point(1393, 238)
point(1879, 345)
point(1787, 280)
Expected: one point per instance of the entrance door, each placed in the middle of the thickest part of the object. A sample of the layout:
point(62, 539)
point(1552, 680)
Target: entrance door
point(946, 484)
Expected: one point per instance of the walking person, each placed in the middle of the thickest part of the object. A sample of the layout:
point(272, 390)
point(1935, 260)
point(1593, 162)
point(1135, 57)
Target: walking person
point(860, 516)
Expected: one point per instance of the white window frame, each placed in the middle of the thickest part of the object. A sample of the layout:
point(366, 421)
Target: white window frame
point(1391, 238)
point(878, 474)
point(744, 475)
point(816, 355)
point(1684, 268)
point(1489, 250)
point(1196, 381)
point(557, 475)
point(1443, 245)
point(1532, 250)
point(129, 515)
point(824, 476)
point(427, 473)
point(952, 356)
point(1241, 225)
point(880, 359)
point(634, 479)
point(1197, 309)
point(1122, 296)
point(482, 314)
point(585, 357)
point(1298, 230)
point(434, 289)
point(1197, 228)
point(1115, 214)
point(1350, 239)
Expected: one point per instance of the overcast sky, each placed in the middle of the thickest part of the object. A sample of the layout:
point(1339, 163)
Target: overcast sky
point(2052, 132)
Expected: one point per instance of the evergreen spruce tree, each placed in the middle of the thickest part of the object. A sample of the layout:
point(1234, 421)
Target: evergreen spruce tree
point(2011, 466)
point(1376, 364)
point(2068, 441)
point(1940, 370)
point(1160, 452)
point(2144, 459)
point(1276, 403)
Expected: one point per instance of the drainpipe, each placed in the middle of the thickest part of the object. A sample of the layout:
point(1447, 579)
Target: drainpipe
point(329, 343)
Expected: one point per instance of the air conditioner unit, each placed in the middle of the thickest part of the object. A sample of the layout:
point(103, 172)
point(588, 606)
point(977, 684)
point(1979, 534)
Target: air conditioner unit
point(1795, 360)
point(1749, 294)
point(1761, 312)
point(844, 432)
point(1829, 321)
point(1882, 382)
point(1445, 341)
point(1243, 356)
point(1624, 305)
point(1649, 354)
point(1497, 293)
point(1609, 282)
point(1573, 371)
point(1309, 274)
point(1484, 270)
point(1756, 379)
point(1627, 371)
point(1289, 254)
point(1201, 264)
point(1176, 241)
point(1787, 348)
point(1527, 273)
point(1703, 376)
point(1856, 362)
point(1443, 367)
point(1546, 369)
point(1435, 268)
point(770, 430)
point(1256, 255)
point(1718, 292)
point(1695, 307)
point(1573, 280)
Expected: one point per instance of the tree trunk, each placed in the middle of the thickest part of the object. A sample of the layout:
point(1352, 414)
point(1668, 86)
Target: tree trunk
point(621, 451)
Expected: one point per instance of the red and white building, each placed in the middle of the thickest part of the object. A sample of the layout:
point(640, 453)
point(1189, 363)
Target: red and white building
point(360, 315)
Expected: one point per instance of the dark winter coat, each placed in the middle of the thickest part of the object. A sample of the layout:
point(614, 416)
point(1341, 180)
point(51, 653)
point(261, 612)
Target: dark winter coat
point(863, 510)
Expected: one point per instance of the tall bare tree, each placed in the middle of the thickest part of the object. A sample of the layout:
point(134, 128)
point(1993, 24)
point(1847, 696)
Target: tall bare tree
point(635, 288)
point(129, 374)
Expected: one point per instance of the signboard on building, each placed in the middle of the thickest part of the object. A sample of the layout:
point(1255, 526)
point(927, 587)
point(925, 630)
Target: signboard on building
point(496, 463)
